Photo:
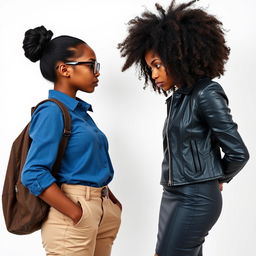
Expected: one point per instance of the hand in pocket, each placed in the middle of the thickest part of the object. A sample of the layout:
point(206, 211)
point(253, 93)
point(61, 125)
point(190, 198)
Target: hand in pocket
point(78, 213)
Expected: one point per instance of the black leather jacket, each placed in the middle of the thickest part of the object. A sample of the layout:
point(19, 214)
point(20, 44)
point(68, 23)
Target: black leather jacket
point(198, 124)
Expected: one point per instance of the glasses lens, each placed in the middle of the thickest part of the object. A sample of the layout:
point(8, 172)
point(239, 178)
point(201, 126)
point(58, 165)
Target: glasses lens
point(96, 67)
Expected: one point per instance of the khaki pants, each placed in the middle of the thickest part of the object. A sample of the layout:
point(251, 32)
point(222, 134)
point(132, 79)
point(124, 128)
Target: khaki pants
point(95, 232)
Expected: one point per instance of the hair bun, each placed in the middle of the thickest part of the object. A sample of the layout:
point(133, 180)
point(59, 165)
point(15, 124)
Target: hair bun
point(35, 42)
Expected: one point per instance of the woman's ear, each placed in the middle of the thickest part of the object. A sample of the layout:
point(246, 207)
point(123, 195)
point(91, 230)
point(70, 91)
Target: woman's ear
point(63, 70)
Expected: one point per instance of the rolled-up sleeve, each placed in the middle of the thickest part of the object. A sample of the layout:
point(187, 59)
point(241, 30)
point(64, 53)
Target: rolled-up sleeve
point(46, 130)
point(213, 105)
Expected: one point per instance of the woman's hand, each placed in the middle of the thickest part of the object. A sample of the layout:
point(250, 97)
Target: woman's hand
point(221, 186)
point(77, 213)
point(55, 197)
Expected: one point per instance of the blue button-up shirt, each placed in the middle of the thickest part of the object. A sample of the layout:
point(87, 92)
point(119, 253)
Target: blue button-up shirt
point(86, 160)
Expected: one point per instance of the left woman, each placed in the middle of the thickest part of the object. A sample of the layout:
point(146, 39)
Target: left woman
point(84, 217)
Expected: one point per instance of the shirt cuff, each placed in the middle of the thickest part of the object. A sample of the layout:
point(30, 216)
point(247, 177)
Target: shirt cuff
point(41, 183)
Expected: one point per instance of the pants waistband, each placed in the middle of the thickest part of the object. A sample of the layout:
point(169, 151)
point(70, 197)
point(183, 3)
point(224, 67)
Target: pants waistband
point(86, 191)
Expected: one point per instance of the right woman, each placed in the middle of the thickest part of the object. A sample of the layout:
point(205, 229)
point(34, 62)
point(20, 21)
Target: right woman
point(180, 51)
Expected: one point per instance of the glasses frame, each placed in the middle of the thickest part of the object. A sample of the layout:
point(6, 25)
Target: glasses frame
point(95, 64)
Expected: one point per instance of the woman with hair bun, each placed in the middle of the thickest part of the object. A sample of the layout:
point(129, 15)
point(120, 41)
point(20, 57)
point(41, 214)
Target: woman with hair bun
point(84, 216)
point(180, 51)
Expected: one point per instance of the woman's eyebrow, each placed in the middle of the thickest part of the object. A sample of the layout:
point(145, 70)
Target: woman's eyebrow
point(152, 62)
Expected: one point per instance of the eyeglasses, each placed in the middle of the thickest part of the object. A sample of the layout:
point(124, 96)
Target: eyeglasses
point(94, 64)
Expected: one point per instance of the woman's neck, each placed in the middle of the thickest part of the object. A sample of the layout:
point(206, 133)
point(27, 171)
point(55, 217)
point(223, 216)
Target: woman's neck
point(65, 88)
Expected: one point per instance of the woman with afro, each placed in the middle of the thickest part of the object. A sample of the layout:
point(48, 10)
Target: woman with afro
point(180, 51)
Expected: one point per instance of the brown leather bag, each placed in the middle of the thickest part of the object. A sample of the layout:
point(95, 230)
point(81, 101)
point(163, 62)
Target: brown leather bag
point(24, 213)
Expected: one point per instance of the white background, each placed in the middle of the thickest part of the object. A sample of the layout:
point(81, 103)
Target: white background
point(131, 117)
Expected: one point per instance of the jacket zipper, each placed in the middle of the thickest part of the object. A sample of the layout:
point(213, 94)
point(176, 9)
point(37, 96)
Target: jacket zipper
point(168, 147)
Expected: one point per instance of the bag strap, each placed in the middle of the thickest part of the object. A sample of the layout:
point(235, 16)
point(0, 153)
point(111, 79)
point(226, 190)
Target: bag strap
point(66, 132)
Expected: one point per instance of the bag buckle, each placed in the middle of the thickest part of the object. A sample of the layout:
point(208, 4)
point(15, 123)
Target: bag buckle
point(66, 133)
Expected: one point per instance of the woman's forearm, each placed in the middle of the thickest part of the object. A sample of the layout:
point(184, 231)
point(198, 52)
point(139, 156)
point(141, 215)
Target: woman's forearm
point(57, 199)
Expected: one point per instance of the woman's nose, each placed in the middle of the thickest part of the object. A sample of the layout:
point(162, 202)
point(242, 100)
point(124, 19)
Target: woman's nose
point(154, 74)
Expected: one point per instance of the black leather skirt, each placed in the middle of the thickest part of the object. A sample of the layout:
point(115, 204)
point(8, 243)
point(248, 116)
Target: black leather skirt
point(187, 213)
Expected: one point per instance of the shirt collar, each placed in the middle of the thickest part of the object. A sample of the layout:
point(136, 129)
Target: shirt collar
point(86, 106)
point(70, 102)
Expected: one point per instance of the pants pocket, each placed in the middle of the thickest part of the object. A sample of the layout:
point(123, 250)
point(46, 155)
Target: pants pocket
point(79, 201)
point(84, 214)
point(116, 209)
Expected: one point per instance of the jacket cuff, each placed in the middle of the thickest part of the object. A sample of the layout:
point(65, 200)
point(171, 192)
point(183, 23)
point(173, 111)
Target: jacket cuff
point(225, 180)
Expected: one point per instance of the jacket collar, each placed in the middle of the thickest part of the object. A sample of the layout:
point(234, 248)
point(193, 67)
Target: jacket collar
point(184, 90)
point(188, 89)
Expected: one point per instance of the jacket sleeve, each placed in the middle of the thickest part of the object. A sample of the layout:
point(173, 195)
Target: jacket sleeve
point(46, 129)
point(213, 107)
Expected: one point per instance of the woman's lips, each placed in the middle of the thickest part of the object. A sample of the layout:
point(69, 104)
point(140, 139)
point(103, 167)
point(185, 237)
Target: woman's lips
point(96, 83)
point(160, 84)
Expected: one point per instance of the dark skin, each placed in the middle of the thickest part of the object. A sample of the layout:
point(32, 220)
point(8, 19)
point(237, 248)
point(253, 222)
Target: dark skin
point(162, 79)
point(158, 71)
point(71, 79)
